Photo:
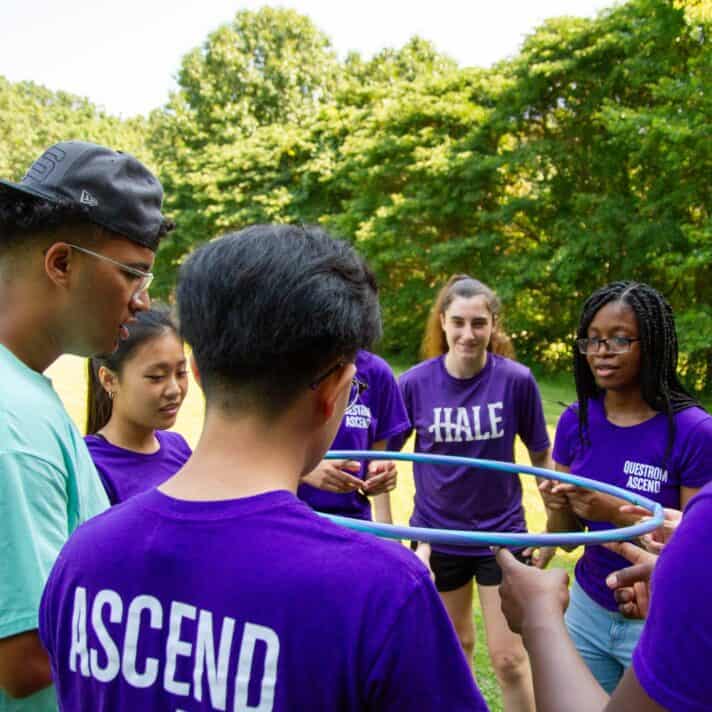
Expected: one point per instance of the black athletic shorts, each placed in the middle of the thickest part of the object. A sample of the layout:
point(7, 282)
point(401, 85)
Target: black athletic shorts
point(452, 571)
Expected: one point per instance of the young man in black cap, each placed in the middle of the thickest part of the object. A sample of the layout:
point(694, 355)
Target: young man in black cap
point(77, 241)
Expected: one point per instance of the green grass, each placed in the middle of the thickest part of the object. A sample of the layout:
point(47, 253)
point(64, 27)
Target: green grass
point(68, 377)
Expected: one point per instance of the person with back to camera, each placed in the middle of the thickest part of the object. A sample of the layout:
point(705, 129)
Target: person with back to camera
point(634, 426)
point(220, 589)
point(468, 399)
point(78, 235)
point(134, 395)
point(375, 413)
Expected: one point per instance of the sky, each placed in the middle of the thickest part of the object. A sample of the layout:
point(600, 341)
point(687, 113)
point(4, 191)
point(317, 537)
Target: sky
point(124, 55)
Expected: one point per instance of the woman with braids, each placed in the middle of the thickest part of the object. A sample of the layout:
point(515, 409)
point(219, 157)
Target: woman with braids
point(134, 395)
point(469, 398)
point(634, 426)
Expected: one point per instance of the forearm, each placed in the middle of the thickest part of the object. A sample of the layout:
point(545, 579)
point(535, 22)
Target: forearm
point(554, 659)
point(382, 508)
point(562, 520)
point(24, 665)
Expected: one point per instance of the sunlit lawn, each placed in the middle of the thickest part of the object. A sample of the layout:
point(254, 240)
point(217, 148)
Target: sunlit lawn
point(69, 380)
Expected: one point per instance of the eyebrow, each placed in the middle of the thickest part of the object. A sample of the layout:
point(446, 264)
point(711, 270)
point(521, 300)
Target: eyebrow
point(166, 365)
point(142, 266)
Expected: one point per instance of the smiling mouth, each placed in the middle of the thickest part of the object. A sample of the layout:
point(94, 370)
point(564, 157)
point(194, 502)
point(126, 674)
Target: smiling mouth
point(604, 370)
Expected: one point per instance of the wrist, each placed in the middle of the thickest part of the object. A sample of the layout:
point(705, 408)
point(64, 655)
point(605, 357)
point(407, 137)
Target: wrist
point(542, 618)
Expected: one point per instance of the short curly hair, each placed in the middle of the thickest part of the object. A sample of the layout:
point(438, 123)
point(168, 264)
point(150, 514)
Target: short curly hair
point(22, 216)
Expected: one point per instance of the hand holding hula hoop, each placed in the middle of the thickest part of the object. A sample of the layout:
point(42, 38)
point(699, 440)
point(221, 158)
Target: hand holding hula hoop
point(480, 538)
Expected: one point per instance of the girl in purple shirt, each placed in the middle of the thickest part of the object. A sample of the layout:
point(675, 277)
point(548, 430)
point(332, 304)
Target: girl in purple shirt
point(634, 426)
point(469, 399)
point(134, 395)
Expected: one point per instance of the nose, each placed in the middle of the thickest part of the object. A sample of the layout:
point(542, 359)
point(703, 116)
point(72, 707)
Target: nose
point(140, 301)
point(173, 387)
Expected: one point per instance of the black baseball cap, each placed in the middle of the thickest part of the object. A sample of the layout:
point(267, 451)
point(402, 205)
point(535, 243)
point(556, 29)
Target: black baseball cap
point(115, 189)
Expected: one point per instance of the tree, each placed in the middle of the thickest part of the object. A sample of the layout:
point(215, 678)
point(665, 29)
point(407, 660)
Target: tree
point(33, 117)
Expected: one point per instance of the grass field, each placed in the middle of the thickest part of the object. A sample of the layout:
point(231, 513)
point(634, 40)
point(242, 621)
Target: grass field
point(69, 379)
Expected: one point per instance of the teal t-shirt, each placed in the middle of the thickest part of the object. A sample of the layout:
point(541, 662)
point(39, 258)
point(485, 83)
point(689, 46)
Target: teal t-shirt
point(48, 486)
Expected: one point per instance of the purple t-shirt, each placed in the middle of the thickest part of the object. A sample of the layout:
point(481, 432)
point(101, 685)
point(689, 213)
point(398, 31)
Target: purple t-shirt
point(632, 458)
point(378, 415)
point(471, 417)
point(672, 659)
point(256, 603)
point(126, 473)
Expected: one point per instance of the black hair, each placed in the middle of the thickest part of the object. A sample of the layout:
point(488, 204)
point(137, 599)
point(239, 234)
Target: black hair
point(22, 216)
point(660, 386)
point(266, 310)
point(149, 325)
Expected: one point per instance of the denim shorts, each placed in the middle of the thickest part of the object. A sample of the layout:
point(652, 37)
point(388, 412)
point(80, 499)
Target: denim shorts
point(605, 639)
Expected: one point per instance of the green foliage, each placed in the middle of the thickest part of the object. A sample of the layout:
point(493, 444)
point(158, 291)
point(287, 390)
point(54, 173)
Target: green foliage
point(583, 159)
point(33, 118)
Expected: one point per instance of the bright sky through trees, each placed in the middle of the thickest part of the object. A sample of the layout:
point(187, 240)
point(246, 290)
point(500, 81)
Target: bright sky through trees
point(124, 56)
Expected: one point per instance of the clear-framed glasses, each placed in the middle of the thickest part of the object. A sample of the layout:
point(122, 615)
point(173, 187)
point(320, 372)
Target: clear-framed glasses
point(144, 278)
point(613, 344)
point(357, 389)
point(357, 386)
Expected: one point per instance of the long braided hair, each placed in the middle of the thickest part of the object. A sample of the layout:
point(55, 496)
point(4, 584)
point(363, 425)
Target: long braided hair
point(659, 384)
point(462, 285)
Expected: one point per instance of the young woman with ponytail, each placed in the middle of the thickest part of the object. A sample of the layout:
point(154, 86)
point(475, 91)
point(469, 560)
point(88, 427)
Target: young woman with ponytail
point(134, 396)
point(469, 398)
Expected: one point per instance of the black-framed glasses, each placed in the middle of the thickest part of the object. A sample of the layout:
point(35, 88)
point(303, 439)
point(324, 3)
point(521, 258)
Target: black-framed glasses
point(613, 344)
point(145, 278)
point(357, 386)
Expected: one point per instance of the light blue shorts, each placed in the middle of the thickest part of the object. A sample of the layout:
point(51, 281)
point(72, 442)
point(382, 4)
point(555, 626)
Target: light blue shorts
point(604, 639)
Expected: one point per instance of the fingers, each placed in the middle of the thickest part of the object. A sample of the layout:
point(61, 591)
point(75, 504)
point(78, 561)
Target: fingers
point(632, 574)
point(336, 480)
point(635, 509)
point(506, 560)
point(378, 484)
point(629, 551)
point(348, 465)
point(376, 467)
point(563, 488)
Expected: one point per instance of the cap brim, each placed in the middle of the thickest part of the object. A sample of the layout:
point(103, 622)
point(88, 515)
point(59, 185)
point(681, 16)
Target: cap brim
point(27, 190)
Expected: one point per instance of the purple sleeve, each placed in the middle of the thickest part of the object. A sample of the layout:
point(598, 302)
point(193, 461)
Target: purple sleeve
point(672, 658)
point(696, 455)
point(532, 424)
point(392, 415)
point(396, 442)
point(95, 452)
point(422, 649)
point(565, 438)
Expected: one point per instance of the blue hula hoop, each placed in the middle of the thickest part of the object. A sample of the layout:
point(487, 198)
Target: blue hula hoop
point(480, 538)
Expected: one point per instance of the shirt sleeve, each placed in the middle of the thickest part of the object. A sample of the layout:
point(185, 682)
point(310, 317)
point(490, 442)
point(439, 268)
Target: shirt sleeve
point(672, 658)
point(33, 528)
point(564, 443)
point(392, 415)
point(422, 649)
point(532, 424)
point(695, 465)
point(397, 440)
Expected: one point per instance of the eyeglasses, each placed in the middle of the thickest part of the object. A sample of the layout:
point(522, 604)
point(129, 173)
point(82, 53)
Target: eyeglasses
point(613, 344)
point(357, 390)
point(357, 387)
point(145, 277)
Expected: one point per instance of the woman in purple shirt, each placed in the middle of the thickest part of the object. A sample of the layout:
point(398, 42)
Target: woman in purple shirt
point(469, 399)
point(634, 426)
point(134, 395)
